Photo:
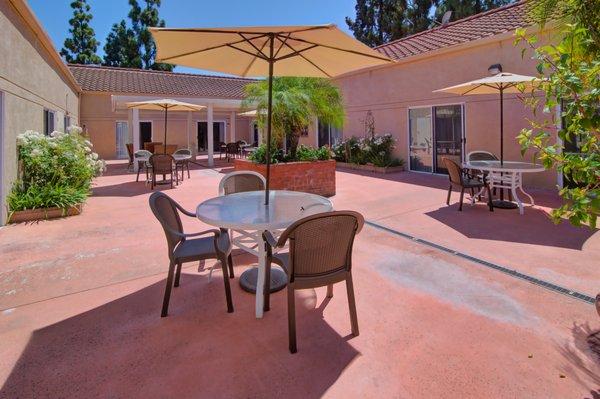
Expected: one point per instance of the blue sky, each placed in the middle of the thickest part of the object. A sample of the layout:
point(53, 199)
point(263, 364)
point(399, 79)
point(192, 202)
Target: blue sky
point(55, 14)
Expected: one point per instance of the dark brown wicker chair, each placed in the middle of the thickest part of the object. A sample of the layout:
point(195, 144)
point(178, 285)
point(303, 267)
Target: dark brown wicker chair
point(129, 147)
point(238, 182)
point(232, 150)
point(320, 254)
point(460, 179)
point(184, 248)
point(185, 164)
point(163, 164)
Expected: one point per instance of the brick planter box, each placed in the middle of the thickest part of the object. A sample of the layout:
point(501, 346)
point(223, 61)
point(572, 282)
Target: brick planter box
point(30, 215)
point(310, 177)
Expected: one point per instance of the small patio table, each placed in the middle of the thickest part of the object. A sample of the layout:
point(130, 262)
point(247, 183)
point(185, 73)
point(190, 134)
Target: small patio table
point(247, 214)
point(177, 157)
point(508, 174)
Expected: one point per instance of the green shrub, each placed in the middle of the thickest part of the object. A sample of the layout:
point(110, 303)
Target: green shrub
point(376, 150)
point(306, 153)
point(303, 153)
point(56, 170)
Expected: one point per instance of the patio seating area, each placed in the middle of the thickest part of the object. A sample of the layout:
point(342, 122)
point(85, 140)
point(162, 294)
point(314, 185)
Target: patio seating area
point(82, 302)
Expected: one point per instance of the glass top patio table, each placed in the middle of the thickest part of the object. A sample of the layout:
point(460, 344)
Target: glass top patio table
point(507, 166)
point(247, 214)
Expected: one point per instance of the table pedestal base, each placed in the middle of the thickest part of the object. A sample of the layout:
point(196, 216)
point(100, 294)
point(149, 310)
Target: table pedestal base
point(503, 204)
point(249, 277)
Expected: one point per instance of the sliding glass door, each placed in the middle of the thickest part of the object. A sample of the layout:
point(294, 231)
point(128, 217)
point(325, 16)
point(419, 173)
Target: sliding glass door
point(435, 133)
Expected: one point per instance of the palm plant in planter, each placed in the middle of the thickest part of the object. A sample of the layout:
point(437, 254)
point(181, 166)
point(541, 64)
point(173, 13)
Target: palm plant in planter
point(296, 102)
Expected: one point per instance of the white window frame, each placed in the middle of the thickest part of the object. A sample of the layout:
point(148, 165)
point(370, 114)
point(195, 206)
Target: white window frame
point(2, 160)
point(46, 125)
point(431, 106)
point(126, 122)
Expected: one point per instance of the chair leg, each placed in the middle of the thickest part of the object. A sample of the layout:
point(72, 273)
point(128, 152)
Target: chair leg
point(472, 192)
point(187, 165)
point(177, 274)
point(330, 291)
point(267, 287)
point(165, 308)
point(230, 263)
point(227, 287)
point(449, 193)
point(292, 318)
point(352, 304)
point(137, 177)
point(462, 194)
point(490, 203)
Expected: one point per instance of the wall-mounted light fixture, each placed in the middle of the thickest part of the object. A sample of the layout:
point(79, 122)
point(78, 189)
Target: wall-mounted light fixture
point(495, 69)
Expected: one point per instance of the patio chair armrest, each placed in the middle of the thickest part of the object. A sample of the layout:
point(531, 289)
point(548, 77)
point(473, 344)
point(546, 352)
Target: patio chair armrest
point(215, 232)
point(185, 211)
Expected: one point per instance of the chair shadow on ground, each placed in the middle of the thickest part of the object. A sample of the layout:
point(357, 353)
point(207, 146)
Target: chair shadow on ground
point(125, 349)
point(129, 189)
point(583, 357)
point(534, 227)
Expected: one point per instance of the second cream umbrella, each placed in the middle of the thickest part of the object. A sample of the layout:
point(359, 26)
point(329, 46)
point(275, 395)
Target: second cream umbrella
point(165, 105)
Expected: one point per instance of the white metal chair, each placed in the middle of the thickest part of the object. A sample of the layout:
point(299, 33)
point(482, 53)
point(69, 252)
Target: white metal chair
point(238, 182)
point(142, 157)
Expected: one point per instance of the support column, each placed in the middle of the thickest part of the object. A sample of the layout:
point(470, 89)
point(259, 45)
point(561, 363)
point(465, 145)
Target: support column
point(135, 131)
point(209, 132)
point(188, 130)
point(232, 117)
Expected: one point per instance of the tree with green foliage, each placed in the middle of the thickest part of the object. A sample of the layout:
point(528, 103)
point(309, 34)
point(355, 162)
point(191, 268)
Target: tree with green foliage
point(381, 21)
point(296, 102)
point(570, 71)
point(134, 46)
point(378, 21)
point(465, 8)
point(81, 47)
point(121, 48)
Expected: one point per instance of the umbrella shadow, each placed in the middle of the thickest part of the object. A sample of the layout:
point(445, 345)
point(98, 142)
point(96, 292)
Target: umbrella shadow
point(533, 227)
point(124, 349)
point(583, 357)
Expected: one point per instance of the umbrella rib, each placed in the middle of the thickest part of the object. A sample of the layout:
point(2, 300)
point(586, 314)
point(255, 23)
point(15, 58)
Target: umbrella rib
point(249, 41)
point(206, 49)
point(282, 43)
point(247, 52)
point(341, 49)
point(254, 59)
point(296, 52)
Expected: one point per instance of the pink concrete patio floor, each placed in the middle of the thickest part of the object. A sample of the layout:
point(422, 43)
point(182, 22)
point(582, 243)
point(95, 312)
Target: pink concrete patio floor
point(80, 301)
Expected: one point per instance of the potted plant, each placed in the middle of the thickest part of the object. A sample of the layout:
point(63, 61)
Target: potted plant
point(296, 103)
point(55, 175)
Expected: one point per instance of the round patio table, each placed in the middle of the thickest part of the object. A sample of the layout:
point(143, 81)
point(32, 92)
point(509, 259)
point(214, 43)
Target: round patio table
point(247, 214)
point(507, 175)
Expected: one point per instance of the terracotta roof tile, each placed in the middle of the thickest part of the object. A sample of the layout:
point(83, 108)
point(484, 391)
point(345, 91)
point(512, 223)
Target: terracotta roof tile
point(139, 81)
point(490, 23)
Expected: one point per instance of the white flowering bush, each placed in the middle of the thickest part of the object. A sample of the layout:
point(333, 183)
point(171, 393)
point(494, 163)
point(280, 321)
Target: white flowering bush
point(376, 150)
point(55, 170)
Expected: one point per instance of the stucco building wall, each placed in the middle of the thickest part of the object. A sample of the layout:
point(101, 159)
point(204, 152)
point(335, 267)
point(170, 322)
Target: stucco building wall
point(389, 92)
point(99, 121)
point(31, 80)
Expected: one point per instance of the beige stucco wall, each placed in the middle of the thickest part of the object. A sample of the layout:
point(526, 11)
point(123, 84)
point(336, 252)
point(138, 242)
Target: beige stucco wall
point(389, 92)
point(99, 120)
point(30, 81)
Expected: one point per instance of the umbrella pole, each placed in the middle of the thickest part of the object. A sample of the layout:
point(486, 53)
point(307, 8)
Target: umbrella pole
point(165, 143)
point(269, 115)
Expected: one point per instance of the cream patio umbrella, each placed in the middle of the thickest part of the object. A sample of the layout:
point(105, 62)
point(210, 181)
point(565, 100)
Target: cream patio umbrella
point(166, 105)
point(311, 51)
point(503, 82)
